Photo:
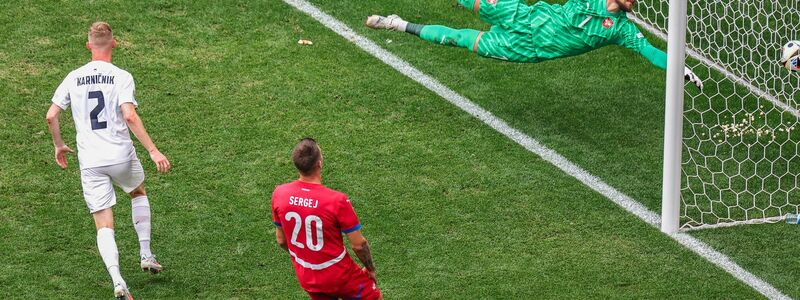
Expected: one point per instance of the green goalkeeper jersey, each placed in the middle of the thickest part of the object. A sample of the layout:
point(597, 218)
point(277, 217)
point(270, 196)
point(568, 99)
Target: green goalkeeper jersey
point(546, 31)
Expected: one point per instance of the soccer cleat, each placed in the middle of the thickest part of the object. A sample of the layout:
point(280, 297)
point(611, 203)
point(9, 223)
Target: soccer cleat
point(121, 292)
point(391, 22)
point(150, 264)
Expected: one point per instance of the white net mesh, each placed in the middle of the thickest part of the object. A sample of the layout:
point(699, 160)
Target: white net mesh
point(741, 157)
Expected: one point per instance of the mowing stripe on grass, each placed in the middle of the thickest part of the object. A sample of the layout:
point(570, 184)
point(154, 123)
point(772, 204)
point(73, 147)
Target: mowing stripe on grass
point(591, 181)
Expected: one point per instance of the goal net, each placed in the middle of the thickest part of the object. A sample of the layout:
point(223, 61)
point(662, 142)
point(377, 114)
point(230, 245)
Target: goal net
point(741, 134)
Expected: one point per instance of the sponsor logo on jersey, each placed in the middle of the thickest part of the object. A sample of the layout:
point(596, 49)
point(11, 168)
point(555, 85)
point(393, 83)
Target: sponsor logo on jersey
point(492, 2)
point(608, 22)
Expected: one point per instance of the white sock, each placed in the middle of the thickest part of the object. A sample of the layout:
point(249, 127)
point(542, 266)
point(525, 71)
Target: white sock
point(140, 213)
point(401, 25)
point(108, 251)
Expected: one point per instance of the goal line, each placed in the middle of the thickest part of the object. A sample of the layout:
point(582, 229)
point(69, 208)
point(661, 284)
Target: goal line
point(768, 220)
point(628, 204)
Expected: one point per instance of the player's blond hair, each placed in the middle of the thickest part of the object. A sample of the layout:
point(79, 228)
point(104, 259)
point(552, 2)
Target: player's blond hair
point(100, 34)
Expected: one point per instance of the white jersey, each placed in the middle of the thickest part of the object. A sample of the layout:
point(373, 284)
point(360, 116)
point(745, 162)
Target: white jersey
point(96, 92)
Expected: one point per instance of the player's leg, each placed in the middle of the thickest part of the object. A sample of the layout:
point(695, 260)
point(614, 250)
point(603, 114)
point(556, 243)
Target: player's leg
point(496, 43)
point(463, 38)
point(99, 195)
point(443, 35)
point(140, 213)
point(130, 177)
point(106, 243)
point(107, 246)
point(321, 296)
point(361, 286)
point(499, 44)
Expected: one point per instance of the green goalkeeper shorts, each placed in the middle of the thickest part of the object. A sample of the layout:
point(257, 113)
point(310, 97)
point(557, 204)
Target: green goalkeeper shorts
point(509, 38)
point(500, 44)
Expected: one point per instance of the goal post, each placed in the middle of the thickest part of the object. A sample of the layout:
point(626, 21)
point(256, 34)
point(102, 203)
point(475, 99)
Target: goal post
point(673, 117)
point(732, 150)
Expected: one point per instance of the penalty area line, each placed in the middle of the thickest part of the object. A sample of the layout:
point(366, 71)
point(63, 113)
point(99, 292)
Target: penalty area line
point(632, 206)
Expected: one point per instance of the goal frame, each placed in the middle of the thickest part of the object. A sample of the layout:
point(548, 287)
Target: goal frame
point(673, 116)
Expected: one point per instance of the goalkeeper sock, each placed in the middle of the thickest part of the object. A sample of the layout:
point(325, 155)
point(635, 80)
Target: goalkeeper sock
point(464, 38)
point(414, 29)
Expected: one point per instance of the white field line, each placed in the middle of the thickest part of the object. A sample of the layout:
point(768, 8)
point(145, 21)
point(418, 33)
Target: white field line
point(735, 78)
point(594, 183)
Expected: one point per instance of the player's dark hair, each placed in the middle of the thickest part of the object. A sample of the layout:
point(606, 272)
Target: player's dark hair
point(305, 155)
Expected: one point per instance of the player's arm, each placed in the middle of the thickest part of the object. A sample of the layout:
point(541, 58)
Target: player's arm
point(61, 149)
point(631, 38)
point(351, 227)
point(281, 238)
point(656, 57)
point(137, 127)
point(360, 246)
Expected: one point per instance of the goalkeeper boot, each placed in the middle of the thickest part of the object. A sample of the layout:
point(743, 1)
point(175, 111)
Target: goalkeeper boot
point(150, 264)
point(121, 292)
point(392, 22)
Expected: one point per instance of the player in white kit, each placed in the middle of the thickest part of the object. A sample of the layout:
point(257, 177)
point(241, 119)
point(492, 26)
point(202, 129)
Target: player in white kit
point(104, 109)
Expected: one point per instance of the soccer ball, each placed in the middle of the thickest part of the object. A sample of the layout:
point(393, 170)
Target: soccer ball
point(790, 55)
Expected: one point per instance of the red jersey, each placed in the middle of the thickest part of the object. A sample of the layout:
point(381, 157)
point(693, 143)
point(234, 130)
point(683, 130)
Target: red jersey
point(313, 219)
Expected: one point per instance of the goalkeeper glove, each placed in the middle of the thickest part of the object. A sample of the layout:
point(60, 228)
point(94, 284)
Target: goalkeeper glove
point(691, 77)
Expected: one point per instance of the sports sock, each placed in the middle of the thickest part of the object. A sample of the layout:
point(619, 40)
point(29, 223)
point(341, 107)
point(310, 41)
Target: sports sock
point(107, 247)
point(464, 38)
point(401, 25)
point(140, 213)
point(414, 29)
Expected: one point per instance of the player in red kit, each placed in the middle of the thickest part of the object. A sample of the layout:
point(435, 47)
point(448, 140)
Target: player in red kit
point(310, 220)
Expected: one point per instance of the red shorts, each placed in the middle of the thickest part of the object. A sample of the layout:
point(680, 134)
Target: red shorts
point(360, 287)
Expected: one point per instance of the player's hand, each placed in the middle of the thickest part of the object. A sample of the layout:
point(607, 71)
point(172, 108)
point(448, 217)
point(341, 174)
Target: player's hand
point(691, 77)
point(61, 155)
point(162, 163)
point(371, 274)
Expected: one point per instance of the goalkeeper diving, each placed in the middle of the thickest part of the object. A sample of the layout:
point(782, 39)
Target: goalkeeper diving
point(540, 32)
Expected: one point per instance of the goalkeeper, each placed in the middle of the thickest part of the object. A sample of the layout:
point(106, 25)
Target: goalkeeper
point(539, 32)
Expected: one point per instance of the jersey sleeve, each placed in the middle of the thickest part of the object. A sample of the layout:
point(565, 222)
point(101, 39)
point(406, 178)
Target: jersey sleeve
point(630, 37)
point(61, 96)
point(127, 91)
point(275, 217)
point(347, 216)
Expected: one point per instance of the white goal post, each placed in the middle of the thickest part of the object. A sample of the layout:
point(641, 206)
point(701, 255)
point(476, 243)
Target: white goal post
point(673, 117)
point(732, 151)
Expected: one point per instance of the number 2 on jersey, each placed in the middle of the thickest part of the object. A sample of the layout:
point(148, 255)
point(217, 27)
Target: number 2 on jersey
point(101, 104)
point(309, 241)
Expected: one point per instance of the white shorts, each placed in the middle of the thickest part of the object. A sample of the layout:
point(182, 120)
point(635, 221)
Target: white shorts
point(97, 188)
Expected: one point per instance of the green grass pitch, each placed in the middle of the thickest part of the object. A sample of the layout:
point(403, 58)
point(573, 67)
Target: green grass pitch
point(453, 210)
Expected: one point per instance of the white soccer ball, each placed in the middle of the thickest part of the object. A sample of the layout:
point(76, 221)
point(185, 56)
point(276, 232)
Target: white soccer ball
point(790, 55)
